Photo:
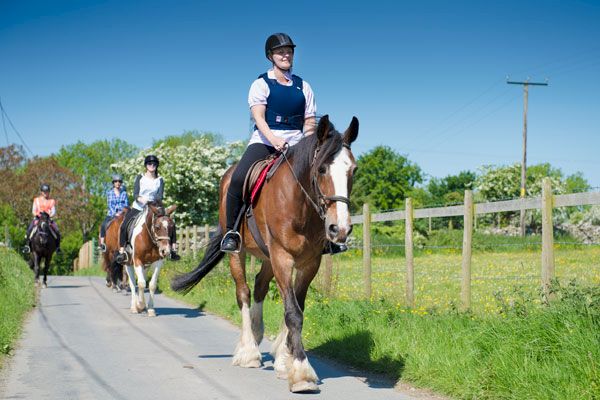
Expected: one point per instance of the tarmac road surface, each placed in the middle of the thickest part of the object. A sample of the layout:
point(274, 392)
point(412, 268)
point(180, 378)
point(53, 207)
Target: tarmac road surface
point(82, 343)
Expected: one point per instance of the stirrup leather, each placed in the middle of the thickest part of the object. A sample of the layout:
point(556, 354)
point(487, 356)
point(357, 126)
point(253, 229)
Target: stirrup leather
point(232, 232)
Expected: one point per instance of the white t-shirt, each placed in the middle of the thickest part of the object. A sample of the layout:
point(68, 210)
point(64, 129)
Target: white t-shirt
point(149, 187)
point(259, 92)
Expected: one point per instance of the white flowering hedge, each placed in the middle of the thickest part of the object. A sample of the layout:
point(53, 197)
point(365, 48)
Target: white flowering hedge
point(191, 172)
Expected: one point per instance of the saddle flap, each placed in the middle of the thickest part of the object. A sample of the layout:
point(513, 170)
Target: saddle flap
point(258, 173)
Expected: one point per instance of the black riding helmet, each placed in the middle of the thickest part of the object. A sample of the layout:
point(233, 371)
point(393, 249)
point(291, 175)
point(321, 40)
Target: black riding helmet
point(276, 41)
point(151, 158)
point(44, 187)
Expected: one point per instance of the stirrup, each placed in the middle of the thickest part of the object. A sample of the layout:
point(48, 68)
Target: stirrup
point(122, 258)
point(239, 241)
point(26, 249)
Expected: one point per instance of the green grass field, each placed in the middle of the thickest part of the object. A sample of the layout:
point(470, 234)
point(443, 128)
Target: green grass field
point(17, 297)
point(509, 347)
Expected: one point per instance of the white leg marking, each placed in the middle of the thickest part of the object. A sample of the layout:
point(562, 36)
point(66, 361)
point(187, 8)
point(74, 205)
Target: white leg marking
point(131, 280)
point(156, 266)
point(301, 376)
point(141, 279)
point(281, 353)
point(246, 353)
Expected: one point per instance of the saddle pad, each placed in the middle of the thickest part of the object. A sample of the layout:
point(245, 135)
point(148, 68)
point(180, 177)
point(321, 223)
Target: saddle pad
point(256, 177)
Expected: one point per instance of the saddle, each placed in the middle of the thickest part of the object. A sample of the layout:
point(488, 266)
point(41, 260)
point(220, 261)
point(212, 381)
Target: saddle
point(35, 229)
point(260, 172)
point(133, 223)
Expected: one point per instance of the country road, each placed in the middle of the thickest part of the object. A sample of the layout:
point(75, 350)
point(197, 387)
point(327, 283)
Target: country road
point(82, 343)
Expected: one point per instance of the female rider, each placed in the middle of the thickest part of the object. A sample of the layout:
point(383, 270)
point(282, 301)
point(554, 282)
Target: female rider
point(283, 108)
point(147, 187)
point(117, 200)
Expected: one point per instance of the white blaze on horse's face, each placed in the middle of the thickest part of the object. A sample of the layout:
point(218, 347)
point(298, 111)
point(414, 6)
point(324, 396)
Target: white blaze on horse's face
point(338, 225)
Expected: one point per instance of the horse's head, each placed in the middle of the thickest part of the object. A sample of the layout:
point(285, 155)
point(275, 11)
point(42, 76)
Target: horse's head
point(332, 171)
point(161, 227)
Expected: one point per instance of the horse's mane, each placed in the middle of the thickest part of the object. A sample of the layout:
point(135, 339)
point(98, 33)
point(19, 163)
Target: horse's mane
point(303, 152)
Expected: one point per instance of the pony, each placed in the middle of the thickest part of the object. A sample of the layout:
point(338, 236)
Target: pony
point(115, 273)
point(303, 205)
point(43, 245)
point(150, 244)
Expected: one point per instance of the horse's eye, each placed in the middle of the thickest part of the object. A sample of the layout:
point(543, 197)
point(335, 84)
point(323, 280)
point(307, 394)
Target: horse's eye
point(322, 170)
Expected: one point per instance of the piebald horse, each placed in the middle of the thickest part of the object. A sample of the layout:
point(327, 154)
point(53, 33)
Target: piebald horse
point(150, 243)
point(303, 205)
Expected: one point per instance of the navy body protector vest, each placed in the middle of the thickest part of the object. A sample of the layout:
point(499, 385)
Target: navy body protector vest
point(285, 105)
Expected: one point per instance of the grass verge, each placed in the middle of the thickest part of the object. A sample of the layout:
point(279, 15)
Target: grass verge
point(521, 350)
point(17, 297)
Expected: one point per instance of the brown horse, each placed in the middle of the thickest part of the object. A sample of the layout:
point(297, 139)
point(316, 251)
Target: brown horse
point(115, 274)
point(150, 242)
point(302, 206)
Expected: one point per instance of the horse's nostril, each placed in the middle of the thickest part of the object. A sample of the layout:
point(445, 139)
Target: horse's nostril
point(334, 229)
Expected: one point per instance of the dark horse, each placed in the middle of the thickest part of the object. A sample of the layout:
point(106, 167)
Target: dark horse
point(302, 206)
point(43, 245)
point(115, 274)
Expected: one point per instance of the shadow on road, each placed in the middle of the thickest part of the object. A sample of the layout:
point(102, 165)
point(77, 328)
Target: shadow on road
point(50, 286)
point(186, 312)
point(356, 349)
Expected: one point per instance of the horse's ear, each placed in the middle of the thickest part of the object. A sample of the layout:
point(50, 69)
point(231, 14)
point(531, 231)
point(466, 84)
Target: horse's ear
point(171, 209)
point(323, 128)
point(352, 132)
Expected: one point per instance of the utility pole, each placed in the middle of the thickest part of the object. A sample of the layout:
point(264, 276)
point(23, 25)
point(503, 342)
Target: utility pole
point(526, 85)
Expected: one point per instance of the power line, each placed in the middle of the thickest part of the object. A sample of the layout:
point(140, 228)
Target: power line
point(4, 127)
point(14, 128)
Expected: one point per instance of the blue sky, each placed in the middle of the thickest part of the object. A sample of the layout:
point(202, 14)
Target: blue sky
point(427, 78)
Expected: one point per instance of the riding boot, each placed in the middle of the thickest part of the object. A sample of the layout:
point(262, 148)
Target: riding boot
point(58, 249)
point(232, 240)
point(174, 256)
point(334, 248)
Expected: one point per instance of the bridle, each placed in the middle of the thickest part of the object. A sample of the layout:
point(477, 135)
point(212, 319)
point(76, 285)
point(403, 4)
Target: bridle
point(323, 201)
point(152, 232)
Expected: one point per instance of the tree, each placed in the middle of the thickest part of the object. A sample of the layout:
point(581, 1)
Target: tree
point(92, 161)
point(384, 179)
point(451, 189)
point(192, 172)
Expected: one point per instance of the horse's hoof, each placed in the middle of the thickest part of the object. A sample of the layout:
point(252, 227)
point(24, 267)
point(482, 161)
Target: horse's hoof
point(134, 310)
point(151, 313)
point(304, 387)
point(45, 286)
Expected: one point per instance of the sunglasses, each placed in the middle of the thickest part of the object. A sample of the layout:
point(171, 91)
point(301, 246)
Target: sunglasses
point(152, 163)
point(118, 181)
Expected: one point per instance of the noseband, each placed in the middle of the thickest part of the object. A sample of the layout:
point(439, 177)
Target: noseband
point(322, 200)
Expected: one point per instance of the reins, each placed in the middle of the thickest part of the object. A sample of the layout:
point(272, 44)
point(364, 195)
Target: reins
point(321, 198)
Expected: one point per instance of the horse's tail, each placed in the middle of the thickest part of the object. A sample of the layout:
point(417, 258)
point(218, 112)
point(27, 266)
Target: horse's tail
point(185, 282)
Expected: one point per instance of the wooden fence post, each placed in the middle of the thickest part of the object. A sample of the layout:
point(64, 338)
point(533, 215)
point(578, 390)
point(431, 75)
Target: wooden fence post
point(408, 249)
point(196, 236)
point(466, 251)
point(186, 241)
point(327, 273)
point(206, 234)
point(367, 249)
point(252, 265)
point(6, 236)
point(547, 238)
point(429, 231)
